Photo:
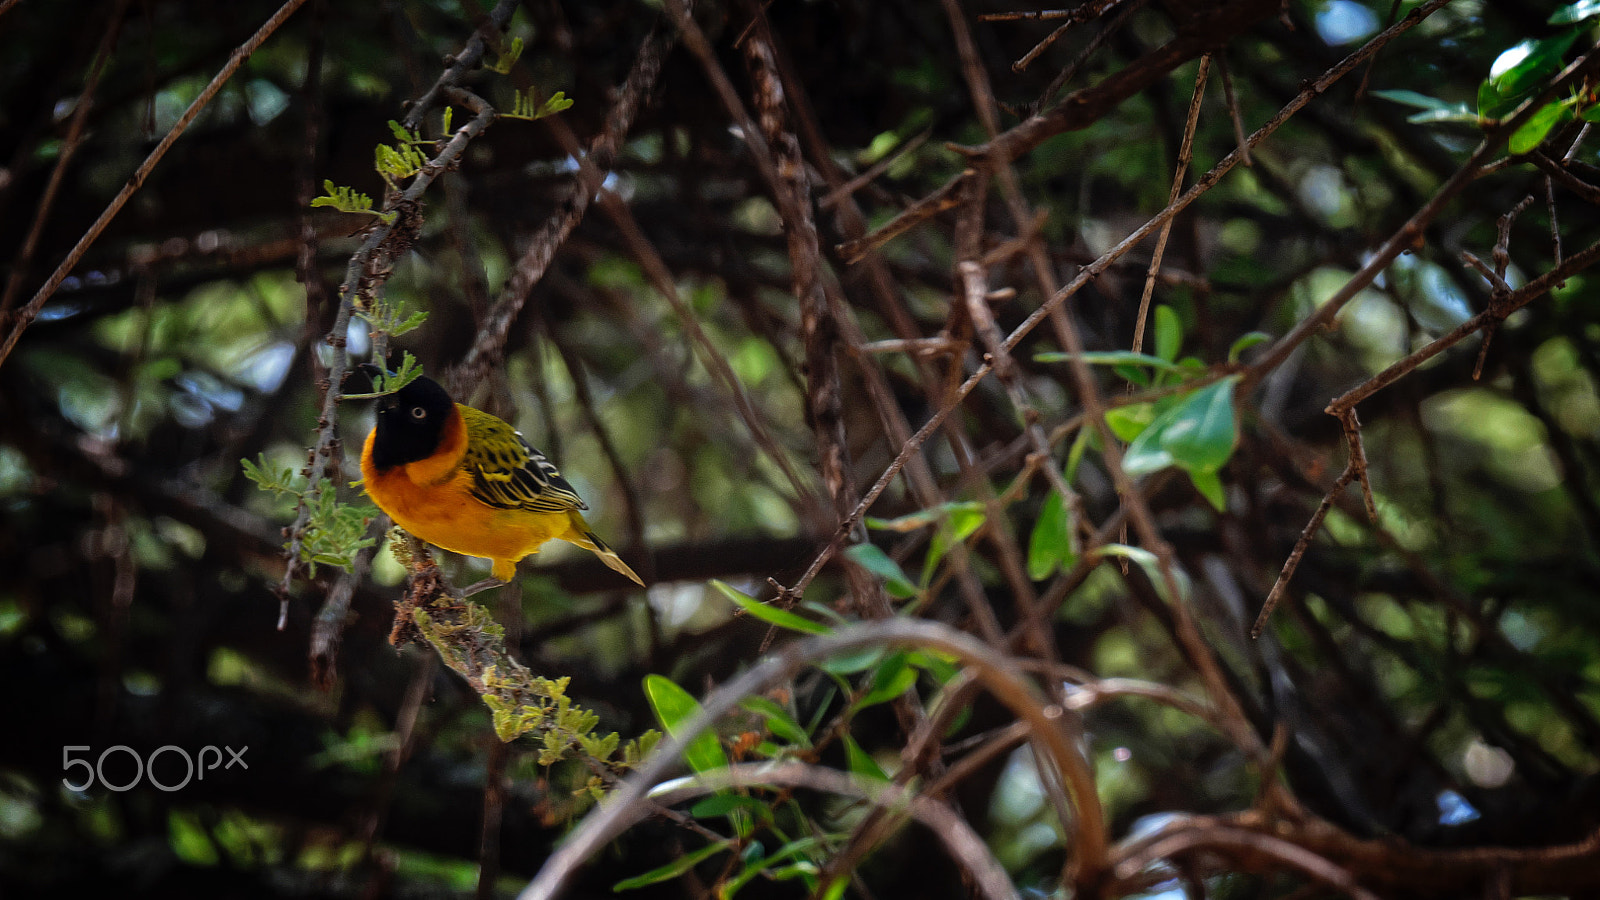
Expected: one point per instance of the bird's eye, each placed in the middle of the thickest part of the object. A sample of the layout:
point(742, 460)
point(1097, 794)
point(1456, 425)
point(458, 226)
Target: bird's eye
point(418, 412)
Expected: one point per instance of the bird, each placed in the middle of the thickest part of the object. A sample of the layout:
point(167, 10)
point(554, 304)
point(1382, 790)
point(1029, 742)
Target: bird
point(464, 480)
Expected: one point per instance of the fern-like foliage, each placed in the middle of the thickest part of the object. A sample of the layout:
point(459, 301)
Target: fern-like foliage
point(349, 200)
point(506, 58)
point(527, 105)
point(402, 160)
point(389, 382)
point(335, 532)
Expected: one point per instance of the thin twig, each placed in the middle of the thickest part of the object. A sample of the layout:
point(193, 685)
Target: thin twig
point(994, 670)
point(1497, 312)
point(957, 835)
point(69, 149)
point(942, 200)
point(832, 197)
point(1185, 154)
point(952, 400)
point(135, 181)
point(1071, 70)
point(586, 181)
point(1091, 10)
point(1293, 562)
point(1233, 109)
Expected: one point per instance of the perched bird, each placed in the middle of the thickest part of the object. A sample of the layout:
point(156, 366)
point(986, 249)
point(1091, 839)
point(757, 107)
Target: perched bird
point(461, 479)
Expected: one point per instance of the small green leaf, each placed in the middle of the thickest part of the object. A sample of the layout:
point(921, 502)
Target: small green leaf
point(1169, 333)
point(779, 722)
point(1149, 563)
point(1108, 358)
point(850, 662)
point(674, 707)
point(1412, 98)
point(1202, 433)
point(861, 763)
point(1048, 546)
point(940, 667)
point(1529, 63)
point(757, 863)
point(1245, 342)
point(725, 802)
point(1521, 70)
point(893, 677)
point(922, 517)
point(1538, 127)
point(772, 615)
point(962, 521)
point(1135, 375)
point(1210, 487)
point(1075, 455)
point(874, 560)
point(1127, 422)
point(1460, 114)
point(675, 868)
point(1197, 433)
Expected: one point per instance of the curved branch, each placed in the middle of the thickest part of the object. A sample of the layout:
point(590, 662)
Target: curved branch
point(963, 843)
point(624, 808)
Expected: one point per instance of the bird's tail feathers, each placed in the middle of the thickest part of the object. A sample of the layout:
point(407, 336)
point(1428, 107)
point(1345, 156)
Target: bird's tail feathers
point(588, 540)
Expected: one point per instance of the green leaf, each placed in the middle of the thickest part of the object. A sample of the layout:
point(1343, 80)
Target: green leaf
point(674, 707)
point(1490, 104)
point(1202, 434)
point(1149, 563)
point(1109, 358)
point(1210, 487)
point(1169, 333)
point(962, 521)
point(726, 802)
point(893, 677)
point(1075, 455)
point(861, 763)
point(675, 868)
point(768, 613)
point(778, 720)
point(923, 517)
point(1412, 98)
point(940, 667)
point(1521, 70)
point(1460, 113)
point(1136, 375)
point(1245, 342)
point(1575, 12)
point(757, 863)
point(850, 662)
point(1538, 127)
point(1048, 546)
point(1127, 422)
point(874, 560)
point(1197, 433)
point(1530, 63)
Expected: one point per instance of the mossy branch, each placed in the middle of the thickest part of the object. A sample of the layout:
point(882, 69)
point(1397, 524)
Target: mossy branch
point(470, 641)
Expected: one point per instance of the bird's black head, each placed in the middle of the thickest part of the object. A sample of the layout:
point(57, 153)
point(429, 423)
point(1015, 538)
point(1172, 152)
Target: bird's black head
point(411, 422)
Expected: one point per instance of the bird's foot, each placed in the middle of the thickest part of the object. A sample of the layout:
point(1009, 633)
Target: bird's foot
point(480, 587)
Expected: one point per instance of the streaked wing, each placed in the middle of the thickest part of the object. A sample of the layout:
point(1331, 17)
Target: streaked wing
point(509, 474)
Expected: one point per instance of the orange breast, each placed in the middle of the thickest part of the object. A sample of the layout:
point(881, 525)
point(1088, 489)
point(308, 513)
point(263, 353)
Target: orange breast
point(439, 509)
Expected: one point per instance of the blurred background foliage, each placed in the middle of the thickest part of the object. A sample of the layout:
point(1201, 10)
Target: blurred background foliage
point(1434, 676)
